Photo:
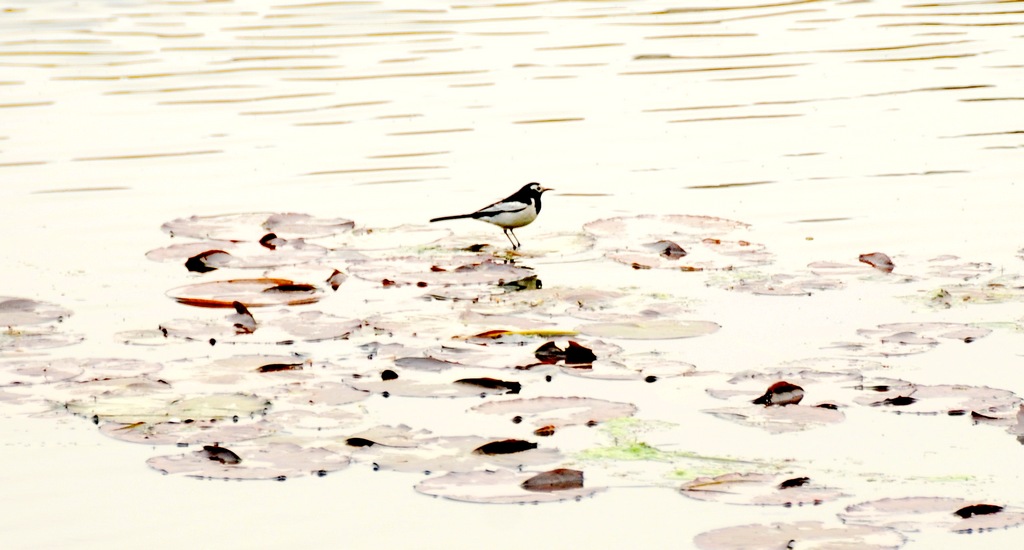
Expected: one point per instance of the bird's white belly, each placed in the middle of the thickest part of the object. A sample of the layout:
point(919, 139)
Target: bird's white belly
point(512, 219)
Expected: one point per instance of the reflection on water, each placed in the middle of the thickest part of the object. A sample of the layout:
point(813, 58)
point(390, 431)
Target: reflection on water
point(898, 124)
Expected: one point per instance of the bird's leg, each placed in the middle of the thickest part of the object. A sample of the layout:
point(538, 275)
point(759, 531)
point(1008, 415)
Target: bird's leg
point(509, 237)
point(518, 244)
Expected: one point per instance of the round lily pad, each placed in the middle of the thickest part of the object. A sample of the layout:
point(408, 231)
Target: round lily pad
point(38, 371)
point(241, 255)
point(789, 418)
point(18, 341)
point(450, 454)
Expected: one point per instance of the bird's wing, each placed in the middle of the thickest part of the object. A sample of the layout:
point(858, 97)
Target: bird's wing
point(501, 207)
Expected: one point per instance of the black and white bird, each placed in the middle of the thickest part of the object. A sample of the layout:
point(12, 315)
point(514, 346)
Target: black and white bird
point(519, 209)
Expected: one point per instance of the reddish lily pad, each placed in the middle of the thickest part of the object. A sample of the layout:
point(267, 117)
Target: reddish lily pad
point(760, 490)
point(914, 513)
point(270, 461)
point(878, 260)
point(497, 487)
point(23, 311)
point(251, 292)
point(811, 534)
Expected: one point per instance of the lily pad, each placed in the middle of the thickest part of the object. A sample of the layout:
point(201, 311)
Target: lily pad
point(277, 461)
point(780, 419)
point(558, 411)
point(450, 454)
point(251, 292)
point(182, 433)
point(760, 490)
point(18, 341)
point(204, 256)
point(916, 513)
point(650, 330)
point(158, 408)
point(23, 311)
point(497, 487)
point(811, 534)
point(38, 371)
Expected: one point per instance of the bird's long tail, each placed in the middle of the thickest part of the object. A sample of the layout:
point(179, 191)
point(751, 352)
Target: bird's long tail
point(459, 217)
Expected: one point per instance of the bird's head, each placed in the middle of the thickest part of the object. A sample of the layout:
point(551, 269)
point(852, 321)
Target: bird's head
point(535, 188)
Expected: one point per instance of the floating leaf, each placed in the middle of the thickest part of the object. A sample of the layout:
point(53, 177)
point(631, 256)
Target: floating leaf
point(914, 513)
point(452, 454)
point(558, 411)
point(23, 311)
point(305, 225)
point(650, 330)
point(182, 433)
point(811, 534)
point(39, 371)
point(781, 419)
point(158, 408)
point(760, 490)
point(251, 292)
point(501, 487)
point(878, 260)
point(271, 461)
point(17, 341)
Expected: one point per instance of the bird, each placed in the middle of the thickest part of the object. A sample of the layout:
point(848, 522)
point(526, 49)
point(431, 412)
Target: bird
point(516, 210)
point(781, 394)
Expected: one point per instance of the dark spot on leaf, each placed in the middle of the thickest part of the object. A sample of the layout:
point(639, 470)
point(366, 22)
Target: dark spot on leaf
point(576, 354)
point(979, 416)
point(560, 479)
point(267, 241)
point(422, 284)
point(900, 401)
point(504, 447)
point(492, 383)
point(359, 442)
point(213, 341)
point(549, 353)
point(517, 419)
point(651, 379)
point(388, 282)
point(545, 431)
point(220, 454)
point(475, 247)
point(795, 482)
point(829, 406)
point(197, 263)
point(978, 510)
point(278, 367)
point(957, 412)
point(388, 374)
point(292, 287)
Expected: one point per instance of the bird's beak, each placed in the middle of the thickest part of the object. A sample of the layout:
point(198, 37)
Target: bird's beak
point(543, 189)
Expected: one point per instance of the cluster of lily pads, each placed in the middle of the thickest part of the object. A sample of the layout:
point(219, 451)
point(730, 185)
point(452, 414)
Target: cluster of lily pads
point(303, 334)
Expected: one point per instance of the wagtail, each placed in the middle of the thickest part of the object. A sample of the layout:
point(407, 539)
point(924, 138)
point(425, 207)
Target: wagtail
point(519, 209)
